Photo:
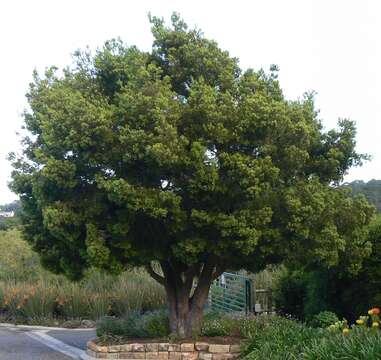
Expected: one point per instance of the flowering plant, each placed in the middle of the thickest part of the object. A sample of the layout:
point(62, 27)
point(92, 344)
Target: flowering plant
point(370, 323)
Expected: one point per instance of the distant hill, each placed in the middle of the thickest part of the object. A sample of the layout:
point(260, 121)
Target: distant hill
point(371, 190)
point(13, 206)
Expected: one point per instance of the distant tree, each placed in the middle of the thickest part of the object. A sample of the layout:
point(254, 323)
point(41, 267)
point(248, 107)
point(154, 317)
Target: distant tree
point(179, 161)
point(371, 190)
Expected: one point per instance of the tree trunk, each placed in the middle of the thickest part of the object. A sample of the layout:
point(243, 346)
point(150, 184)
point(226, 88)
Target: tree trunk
point(186, 303)
point(185, 313)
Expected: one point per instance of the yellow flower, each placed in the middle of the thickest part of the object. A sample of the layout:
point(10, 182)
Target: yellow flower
point(346, 331)
point(370, 312)
point(375, 324)
point(359, 322)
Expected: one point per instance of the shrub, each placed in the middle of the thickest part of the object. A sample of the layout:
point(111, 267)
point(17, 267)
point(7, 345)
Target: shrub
point(126, 327)
point(217, 324)
point(323, 319)
point(290, 294)
point(17, 260)
point(305, 294)
point(153, 324)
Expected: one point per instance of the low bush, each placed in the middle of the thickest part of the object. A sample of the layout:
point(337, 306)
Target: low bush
point(290, 293)
point(153, 324)
point(111, 326)
point(323, 319)
point(217, 324)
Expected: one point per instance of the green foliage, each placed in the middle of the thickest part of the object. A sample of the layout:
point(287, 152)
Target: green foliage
point(7, 223)
point(55, 298)
point(30, 294)
point(360, 345)
point(136, 325)
point(181, 144)
point(266, 337)
point(218, 324)
point(279, 339)
point(323, 319)
point(17, 260)
point(371, 190)
point(304, 294)
point(290, 293)
point(118, 327)
point(155, 324)
point(178, 156)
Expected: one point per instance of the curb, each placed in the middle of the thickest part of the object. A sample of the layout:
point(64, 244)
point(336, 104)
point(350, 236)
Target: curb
point(37, 327)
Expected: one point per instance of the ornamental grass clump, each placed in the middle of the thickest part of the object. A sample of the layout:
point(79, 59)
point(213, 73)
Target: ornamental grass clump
point(52, 299)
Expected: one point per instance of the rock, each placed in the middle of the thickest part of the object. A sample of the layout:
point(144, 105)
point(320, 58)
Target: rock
point(71, 324)
point(87, 324)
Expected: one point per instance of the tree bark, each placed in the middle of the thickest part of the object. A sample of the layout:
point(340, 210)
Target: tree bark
point(186, 303)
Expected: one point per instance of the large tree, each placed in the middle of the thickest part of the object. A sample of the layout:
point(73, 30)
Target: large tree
point(179, 161)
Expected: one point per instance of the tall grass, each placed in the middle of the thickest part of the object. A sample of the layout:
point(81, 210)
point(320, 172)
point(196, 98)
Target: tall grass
point(30, 294)
point(92, 298)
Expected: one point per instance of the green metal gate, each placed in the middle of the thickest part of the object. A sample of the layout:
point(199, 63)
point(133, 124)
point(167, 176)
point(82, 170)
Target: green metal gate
point(232, 292)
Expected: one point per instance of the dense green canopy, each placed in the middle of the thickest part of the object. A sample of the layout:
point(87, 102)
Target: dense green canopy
point(178, 157)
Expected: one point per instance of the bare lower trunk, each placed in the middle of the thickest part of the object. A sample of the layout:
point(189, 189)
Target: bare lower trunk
point(186, 303)
point(185, 316)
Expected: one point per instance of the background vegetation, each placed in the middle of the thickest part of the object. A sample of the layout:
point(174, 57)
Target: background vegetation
point(371, 190)
point(10, 222)
point(30, 294)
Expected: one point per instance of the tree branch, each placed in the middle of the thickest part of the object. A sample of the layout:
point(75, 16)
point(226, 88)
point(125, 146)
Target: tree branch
point(154, 274)
point(204, 282)
point(218, 271)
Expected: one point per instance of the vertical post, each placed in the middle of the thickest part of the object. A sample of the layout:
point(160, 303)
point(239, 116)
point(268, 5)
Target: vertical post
point(270, 301)
point(253, 296)
point(249, 297)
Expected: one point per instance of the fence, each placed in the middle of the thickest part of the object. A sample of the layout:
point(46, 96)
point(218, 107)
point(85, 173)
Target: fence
point(237, 293)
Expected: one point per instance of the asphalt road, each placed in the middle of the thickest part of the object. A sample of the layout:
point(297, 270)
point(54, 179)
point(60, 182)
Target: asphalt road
point(76, 338)
point(17, 343)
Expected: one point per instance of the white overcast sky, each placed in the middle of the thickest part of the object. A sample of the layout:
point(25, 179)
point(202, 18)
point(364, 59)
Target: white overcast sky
point(330, 46)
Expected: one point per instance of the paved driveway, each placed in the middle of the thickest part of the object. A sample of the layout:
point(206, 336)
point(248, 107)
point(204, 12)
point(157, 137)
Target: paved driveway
point(34, 343)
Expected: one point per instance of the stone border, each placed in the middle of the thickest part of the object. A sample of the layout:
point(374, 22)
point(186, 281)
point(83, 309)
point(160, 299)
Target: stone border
point(165, 351)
